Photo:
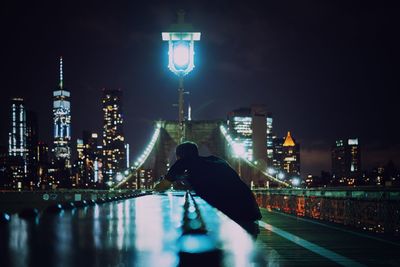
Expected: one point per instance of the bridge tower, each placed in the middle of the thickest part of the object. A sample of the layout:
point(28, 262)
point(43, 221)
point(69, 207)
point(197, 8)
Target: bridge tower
point(206, 134)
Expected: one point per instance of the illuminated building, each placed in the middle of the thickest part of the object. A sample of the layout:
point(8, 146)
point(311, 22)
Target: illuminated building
point(62, 122)
point(252, 127)
point(270, 140)
point(239, 125)
point(89, 160)
point(43, 164)
point(291, 157)
point(346, 161)
point(80, 147)
point(113, 137)
point(17, 136)
point(17, 144)
point(145, 179)
point(23, 146)
point(277, 162)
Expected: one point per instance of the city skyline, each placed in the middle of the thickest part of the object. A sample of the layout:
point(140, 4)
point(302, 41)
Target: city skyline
point(316, 110)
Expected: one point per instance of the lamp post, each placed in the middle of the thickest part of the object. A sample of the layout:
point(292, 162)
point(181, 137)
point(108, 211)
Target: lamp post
point(181, 37)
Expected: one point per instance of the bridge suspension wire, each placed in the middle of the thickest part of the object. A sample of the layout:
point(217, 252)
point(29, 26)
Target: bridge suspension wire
point(239, 151)
point(143, 157)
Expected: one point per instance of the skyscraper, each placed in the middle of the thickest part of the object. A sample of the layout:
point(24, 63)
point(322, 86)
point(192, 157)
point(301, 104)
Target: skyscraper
point(346, 161)
point(5, 177)
point(17, 144)
point(113, 136)
point(62, 122)
point(252, 127)
point(89, 160)
point(32, 136)
point(270, 140)
point(277, 163)
point(17, 135)
point(43, 164)
point(291, 157)
point(239, 125)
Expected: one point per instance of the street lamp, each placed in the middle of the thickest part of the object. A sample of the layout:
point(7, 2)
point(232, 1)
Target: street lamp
point(181, 37)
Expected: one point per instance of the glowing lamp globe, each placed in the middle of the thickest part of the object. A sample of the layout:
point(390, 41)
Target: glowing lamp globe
point(181, 51)
point(181, 55)
point(181, 37)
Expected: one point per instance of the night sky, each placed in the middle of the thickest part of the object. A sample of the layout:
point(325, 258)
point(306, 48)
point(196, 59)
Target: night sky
point(325, 69)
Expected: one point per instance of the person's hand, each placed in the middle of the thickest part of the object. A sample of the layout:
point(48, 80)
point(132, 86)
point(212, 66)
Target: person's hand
point(162, 186)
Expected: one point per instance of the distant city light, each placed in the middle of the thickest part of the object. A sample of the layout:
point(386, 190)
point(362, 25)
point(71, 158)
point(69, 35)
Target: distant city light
point(281, 175)
point(271, 171)
point(295, 181)
point(119, 177)
point(149, 148)
point(352, 142)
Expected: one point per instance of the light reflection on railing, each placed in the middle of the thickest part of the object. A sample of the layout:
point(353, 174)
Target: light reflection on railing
point(18, 241)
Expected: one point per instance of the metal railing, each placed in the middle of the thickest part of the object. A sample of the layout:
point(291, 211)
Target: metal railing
point(372, 209)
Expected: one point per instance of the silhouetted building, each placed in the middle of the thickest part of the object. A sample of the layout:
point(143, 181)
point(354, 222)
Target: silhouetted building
point(277, 163)
point(32, 136)
point(43, 164)
point(391, 174)
point(62, 123)
point(310, 181)
point(382, 175)
point(5, 177)
point(346, 162)
point(291, 157)
point(113, 135)
point(318, 181)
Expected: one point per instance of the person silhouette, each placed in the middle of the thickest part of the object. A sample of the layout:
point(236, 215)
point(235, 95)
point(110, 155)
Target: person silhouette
point(214, 180)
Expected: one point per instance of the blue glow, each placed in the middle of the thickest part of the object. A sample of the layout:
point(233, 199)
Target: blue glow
point(196, 243)
point(295, 181)
point(119, 177)
point(271, 171)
